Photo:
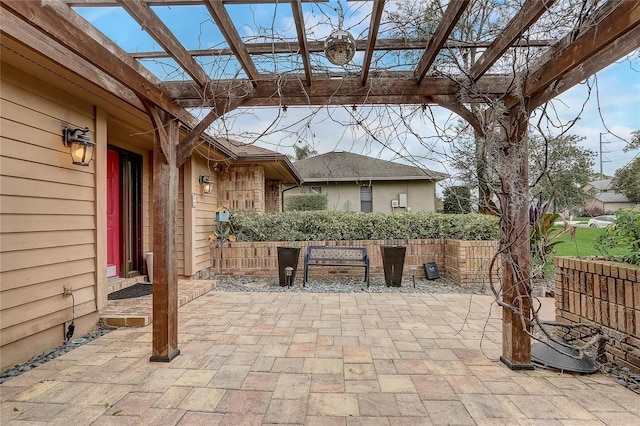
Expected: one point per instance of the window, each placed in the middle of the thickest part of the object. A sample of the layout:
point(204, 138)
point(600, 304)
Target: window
point(366, 199)
point(316, 190)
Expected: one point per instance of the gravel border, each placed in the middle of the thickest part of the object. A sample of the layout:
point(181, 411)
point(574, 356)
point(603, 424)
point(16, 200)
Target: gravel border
point(343, 285)
point(51, 354)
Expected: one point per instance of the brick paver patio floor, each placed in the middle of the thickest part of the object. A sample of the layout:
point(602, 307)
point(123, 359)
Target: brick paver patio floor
point(314, 359)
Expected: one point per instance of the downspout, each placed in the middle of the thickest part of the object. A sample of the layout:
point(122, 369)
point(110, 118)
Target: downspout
point(282, 196)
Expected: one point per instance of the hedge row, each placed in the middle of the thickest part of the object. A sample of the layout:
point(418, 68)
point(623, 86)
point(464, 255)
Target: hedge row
point(330, 225)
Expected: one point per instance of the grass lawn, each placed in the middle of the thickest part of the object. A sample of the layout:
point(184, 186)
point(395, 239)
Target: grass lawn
point(582, 245)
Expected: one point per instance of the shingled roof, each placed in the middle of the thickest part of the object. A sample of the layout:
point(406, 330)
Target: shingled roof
point(347, 166)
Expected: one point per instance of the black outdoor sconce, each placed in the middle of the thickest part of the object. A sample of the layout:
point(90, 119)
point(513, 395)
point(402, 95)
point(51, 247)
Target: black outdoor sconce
point(80, 146)
point(207, 185)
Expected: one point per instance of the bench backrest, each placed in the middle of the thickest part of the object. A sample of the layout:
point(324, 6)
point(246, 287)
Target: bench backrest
point(336, 253)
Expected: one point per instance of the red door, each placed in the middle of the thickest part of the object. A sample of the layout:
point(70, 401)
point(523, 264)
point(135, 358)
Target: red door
point(113, 214)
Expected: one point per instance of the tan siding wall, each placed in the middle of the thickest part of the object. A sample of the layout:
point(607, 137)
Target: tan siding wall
point(47, 226)
point(180, 223)
point(205, 213)
point(420, 196)
point(147, 202)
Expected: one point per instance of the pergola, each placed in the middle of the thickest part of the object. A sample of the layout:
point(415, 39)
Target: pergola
point(57, 31)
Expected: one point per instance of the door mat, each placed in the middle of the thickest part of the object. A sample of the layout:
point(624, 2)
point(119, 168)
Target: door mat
point(136, 290)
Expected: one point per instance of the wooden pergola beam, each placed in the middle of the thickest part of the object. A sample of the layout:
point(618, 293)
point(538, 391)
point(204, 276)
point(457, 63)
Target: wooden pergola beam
point(19, 30)
point(318, 47)
point(624, 18)
point(393, 89)
point(621, 47)
point(142, 13)
point(298, 19)
point(374, 25)
point(447, 24)
point(524, 18)
point(57, 22)
point(225, 25)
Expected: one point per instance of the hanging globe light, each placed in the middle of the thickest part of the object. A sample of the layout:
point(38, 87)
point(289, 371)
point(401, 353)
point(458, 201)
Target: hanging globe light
point(340, 47)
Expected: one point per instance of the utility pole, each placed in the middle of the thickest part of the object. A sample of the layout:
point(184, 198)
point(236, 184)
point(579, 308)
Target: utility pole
point(602, 152)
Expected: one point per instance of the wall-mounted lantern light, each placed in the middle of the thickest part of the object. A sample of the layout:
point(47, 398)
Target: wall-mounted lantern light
point(80, 146)
point(207, 185)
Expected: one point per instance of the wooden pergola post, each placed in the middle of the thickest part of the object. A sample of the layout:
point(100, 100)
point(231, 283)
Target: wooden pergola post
point(164, 215)
point(514, 241)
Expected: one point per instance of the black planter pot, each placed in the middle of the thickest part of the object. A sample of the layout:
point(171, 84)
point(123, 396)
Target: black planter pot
point(287, 256)
point(392, 263)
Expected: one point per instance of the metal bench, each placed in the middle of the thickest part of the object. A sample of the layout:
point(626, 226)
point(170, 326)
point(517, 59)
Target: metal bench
point(336, 256)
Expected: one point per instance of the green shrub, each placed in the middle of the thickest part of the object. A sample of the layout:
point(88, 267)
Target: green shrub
point(623, 235)
point(306, 202)
point(340, 225)
point(457, 200)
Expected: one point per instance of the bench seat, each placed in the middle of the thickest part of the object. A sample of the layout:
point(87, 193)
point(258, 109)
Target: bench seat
point(336, 256)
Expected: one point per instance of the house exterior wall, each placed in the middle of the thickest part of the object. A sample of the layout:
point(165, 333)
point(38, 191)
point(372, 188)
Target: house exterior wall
point(346, 195)
point(205, 213)
point(242, 188)
point(420, 196)
point(48, 223)
point(597, 207)
point(273, 197)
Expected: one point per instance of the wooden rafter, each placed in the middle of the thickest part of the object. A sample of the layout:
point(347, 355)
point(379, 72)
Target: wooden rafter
point(298, 19)
point(524, 18)
point(447, 23)
point(142, 13)
point(621, 20)
point(621, 47)
point(178, 2)
point(376, 16)
point(19, 30)
point(59, 25)
point(225, 25)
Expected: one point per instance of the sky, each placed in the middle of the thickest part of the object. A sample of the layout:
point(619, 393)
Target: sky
point(608, 104)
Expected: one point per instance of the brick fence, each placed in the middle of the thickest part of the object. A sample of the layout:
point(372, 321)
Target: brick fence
point(465, 262)
point(604, 293)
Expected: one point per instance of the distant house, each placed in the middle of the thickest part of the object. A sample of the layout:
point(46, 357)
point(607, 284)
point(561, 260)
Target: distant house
point(354, 182)
point(604, 198)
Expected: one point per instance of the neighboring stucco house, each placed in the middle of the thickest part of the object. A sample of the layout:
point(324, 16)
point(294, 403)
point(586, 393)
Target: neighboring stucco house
point(605, 198)
point(85, 227)
point(355, 182)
